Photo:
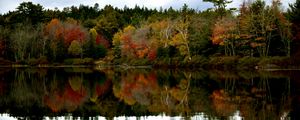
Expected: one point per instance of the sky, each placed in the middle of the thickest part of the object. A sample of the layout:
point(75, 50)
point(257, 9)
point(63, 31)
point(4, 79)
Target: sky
point(10, 5)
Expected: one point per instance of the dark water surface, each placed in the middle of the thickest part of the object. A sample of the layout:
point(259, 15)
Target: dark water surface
point(114, 93)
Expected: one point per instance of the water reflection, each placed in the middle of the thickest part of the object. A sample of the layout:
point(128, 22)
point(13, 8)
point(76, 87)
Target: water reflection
point(40, 93)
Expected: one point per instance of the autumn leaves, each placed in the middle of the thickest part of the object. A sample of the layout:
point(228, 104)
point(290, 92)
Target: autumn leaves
point(258, 29)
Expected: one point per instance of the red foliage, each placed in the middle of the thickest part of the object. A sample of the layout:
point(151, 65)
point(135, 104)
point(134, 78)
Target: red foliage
point(54, 102)
point(100, 40)
point(74, 33)
point(152, 54)
point(74, 97)
point(54, 28)
point(101, 89)
point(59, 100)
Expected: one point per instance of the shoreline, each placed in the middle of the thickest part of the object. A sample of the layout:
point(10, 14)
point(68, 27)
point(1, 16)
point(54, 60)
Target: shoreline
point(224, 62)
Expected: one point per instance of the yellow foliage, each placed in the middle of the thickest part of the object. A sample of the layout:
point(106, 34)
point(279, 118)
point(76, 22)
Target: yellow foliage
point(117, 38)
point(129, 28)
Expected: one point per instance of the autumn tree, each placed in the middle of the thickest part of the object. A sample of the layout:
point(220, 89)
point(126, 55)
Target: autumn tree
point(74, 31)
point(54, 32)
point(128, 47)
point(225, 33)
point(75, 48)
point(180, 40)
point(265, 28)
point(62, 34)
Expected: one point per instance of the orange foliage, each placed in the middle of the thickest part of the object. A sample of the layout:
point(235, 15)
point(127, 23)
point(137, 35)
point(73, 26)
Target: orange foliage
point(54, 102)
point(136, 47)
point(54, 28)
point(223, 29)
point(152, 54)
point(222, 104)
point(73, 33)
point(137, 84)
point(68, 99)
point(74, 98)
point(216, 35)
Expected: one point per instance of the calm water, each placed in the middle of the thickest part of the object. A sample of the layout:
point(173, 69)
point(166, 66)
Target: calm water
point(138, 94)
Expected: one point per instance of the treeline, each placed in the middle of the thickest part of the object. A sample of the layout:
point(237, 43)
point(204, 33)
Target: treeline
point(142, 36)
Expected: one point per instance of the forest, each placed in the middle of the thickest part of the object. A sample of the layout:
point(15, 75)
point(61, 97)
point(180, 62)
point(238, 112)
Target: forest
point(254, 35)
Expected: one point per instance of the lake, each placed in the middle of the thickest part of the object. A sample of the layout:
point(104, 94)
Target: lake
point(138, 94)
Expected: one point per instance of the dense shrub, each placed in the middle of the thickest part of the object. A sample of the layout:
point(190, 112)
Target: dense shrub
point(247, 62)
point(228, 62)
point(197, 61)
point(101, 51)
point(33, 62)
point(270, 62)
point(43, 60)
point(132, 62)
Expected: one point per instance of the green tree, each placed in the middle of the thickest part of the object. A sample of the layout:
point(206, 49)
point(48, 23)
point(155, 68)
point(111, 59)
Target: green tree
point(293, 15)
point(22, 38)
point(4, 42)
point(75, 48)
point(89, 47)
point(199, 33)
point(31, 12)
point(283, 27)
point(258, 22)
point(220, 6)
point(109, 22)
point(101, 51)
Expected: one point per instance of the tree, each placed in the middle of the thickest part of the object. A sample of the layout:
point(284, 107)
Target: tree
point(54, 31)
point(200, 30)
point(75, 48)
point(31, 12)
point(109, 22)
point(283, 27)
point(21, 38)
point(89, 47)
point(258, 24)
point(180, 40)
point(220, 5)
point(225, 33)
point(293, 14)
point(117, 44)
point(101, 51)
point(4, 41)
point(74, 31)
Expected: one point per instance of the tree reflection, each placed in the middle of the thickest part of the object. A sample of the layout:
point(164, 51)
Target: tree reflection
point(114, 92)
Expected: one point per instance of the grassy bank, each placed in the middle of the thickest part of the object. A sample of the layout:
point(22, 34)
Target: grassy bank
point(214, 63)
point(196, 62)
